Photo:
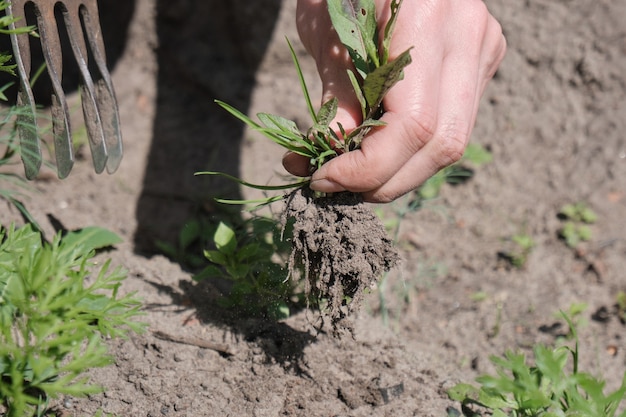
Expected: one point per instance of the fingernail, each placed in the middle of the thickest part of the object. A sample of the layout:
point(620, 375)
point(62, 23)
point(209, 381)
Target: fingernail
point(326, 186)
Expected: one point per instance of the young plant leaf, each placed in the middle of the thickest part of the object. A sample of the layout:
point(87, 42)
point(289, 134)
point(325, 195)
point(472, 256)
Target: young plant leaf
point(382, 79)
point(225, 239)
point(391, 24)
point(280, 124)
point(355, 23)
point(91, 238)
point(327, 112)
point(356, 86)
point(305, 90)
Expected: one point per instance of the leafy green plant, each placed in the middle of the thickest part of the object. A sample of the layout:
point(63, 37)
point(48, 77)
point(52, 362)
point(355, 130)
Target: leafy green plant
point(252, 258)
point(55, 310)
point(577, 218)
point(545, 389)
point(374, 75)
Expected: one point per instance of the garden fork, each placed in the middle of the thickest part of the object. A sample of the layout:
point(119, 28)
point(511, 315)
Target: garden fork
point(99, 104)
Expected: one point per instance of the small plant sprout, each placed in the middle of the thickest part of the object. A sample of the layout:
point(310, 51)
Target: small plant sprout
point(522, 245)
point(575, 318)
point(475, 156)
point(576, 220)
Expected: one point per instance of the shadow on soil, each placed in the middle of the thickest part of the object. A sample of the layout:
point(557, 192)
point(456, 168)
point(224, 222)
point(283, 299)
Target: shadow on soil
point(208, 49)
point(280, 343)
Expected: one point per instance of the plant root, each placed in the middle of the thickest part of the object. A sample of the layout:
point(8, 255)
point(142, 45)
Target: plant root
point(341, 247)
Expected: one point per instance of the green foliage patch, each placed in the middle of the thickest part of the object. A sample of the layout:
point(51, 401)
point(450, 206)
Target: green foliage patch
point(252, 257)
point(56, 308)
point(546, 388)
point(577, 219)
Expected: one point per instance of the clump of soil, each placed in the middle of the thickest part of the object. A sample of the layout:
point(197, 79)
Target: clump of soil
point(342, 248)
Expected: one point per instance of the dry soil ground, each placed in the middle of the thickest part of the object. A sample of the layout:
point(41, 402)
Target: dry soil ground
point(554, 118)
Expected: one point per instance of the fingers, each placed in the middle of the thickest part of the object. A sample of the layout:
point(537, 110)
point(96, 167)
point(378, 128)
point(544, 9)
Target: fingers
point(430, 129)
point(332, 60)
point(429, 115)
point(297, 165)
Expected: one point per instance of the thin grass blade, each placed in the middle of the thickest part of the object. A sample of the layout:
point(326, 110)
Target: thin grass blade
point(305, 89)
point(255, 186)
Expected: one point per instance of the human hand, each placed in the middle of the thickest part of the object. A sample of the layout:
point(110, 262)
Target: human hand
point(457, 48)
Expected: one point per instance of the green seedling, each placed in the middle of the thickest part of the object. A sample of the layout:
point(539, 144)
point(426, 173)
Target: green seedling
point(544, 389)
point(578, 212)
point(475, 155)
point(252, 258)
point(374, 75)
point(56, 309)
point(517, 257)
point(575, 318)
point(577, 218)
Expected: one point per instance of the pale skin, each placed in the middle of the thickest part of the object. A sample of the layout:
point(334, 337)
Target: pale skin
point(457, 46)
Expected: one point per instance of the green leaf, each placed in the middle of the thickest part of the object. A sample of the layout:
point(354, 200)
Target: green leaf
point(477, 154)
point(303, 86)
point(382, 79)
point(327, 112)
point(462, 392)
point(216, 257)
point(225, 239)
point(238, 271)
point(356, 86)
point(247, 252)
point(280, 123)
point(90, 238)
point(354, 139)
point(210, 271)
point(391, 24)
point(355, 23)
point(587, 215)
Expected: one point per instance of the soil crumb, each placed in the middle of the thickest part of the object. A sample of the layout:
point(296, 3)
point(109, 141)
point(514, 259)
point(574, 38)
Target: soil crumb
point(341, 247)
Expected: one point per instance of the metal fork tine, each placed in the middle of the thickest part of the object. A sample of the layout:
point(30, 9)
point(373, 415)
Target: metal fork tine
point(88, 93)
point(107, 102)
point(97, 95)
point(26, 120)
point(53, 55)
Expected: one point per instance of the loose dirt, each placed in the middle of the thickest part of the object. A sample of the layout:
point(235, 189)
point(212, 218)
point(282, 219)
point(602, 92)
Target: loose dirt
point(553, 117)
point(341, 247)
